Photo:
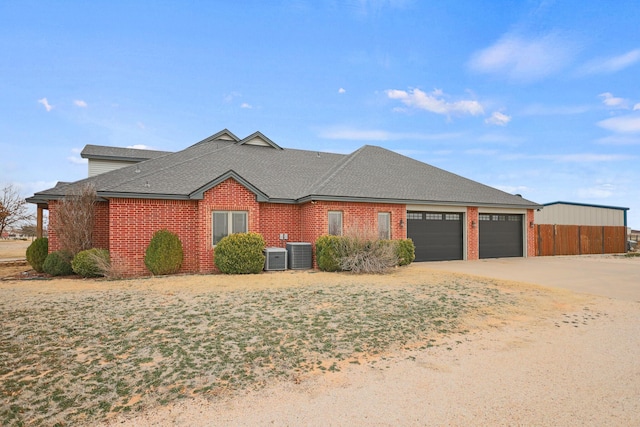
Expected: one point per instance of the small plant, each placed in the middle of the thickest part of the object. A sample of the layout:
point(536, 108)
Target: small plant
point(405, 251)
point(58, 263)
point(91, 263)
point(240, 253)
point(37, 253)
point(164, 254)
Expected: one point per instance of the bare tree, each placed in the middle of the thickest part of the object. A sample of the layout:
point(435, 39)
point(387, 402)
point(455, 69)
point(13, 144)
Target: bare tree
point(28, 229)
point(75, 218)
point(13, 208)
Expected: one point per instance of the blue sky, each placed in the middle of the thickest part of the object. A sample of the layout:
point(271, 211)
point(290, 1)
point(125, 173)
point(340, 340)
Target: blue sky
point(540, 98)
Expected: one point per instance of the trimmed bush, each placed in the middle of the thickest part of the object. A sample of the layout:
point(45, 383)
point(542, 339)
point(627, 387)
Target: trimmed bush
point(91, 263)
point(240, 253)
point(164, 254)
point(58, 263)
point(327, 253)
point(405, 251)
point(37, 253)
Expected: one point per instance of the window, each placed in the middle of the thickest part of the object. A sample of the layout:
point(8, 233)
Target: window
point(484, 217)
point(433, 216)
point(228, 222)
point(335, 223)
point(414, 215)
point(452, 217)
point(384, 225)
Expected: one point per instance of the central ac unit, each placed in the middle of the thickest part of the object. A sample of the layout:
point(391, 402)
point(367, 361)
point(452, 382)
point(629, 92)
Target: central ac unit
point(275, 259)
point(300, 255)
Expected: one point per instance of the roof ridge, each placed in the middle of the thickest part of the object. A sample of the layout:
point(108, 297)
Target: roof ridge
point(154, 171)
point(332, 172)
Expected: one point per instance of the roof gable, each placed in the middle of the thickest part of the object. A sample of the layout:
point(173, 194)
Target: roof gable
point(258, 139)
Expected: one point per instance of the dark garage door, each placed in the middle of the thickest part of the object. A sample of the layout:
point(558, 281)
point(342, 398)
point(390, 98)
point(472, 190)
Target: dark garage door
point(437, 236)
point(500, 236)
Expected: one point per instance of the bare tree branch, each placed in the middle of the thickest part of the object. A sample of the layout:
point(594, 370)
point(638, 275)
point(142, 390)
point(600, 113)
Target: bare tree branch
point(13, 208)
point(74, 219)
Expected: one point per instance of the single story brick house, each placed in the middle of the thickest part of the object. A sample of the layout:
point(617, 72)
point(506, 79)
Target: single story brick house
point(224, 184)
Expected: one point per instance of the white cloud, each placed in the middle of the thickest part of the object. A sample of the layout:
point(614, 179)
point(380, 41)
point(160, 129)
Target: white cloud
point(501, 138)
point(140, 147)
point(614, 102)
point(636, 107)
point(619, 140)
point(342, 90)
point(571, 158)
point(77, 160)
point(525, 59)
point(585, 157)
point(80, 103)
point(612, 64)
point(481, 152)
point(513, 189)
point(623, 124)
point(498, 119)
point(354, 134)
point(46, 104)
point(435, 102)
point(554, 110)
point(231, 96)
point(601, 191)
point(246, 105)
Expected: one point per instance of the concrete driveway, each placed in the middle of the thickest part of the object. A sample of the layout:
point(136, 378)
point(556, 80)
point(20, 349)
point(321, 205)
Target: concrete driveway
point(606, 275)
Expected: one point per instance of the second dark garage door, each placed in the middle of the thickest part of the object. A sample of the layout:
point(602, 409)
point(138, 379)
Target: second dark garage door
point(500, 236)
point(437, 236)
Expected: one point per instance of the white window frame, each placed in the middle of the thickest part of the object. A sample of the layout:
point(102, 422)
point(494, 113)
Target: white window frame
point(230, 224)
point(337, 215)
point(384, 225)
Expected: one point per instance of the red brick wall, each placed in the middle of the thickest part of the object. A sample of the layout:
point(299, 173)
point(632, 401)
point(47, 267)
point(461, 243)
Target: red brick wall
point(54, 243)
point(473, 234)
point(101, 227)
point(226, 196)
point(276, 219)
point(132, 223)
point(531, 235)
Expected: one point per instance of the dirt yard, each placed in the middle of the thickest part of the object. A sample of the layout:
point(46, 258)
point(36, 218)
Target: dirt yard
point(415, 347)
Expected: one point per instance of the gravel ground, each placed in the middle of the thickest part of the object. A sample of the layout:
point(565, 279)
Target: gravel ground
point(572, 368)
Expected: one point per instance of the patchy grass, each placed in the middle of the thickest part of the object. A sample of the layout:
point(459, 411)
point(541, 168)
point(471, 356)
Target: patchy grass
point(80, 357)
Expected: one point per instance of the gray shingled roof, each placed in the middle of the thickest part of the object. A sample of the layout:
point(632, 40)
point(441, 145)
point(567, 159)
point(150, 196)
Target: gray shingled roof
point(290, 176)
point(103, 152)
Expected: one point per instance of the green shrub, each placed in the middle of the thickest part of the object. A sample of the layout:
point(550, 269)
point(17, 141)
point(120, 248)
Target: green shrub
point(240, 253)
point(58, 263)
point(405, 251)
point(91, 263)
point(164, 254)
point(37, 252)
point(327, 255)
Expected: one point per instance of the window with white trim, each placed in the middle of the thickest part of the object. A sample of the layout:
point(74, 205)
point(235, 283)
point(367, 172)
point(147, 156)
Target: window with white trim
point(228, 222)
point(384, 225)
point(335, 223)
